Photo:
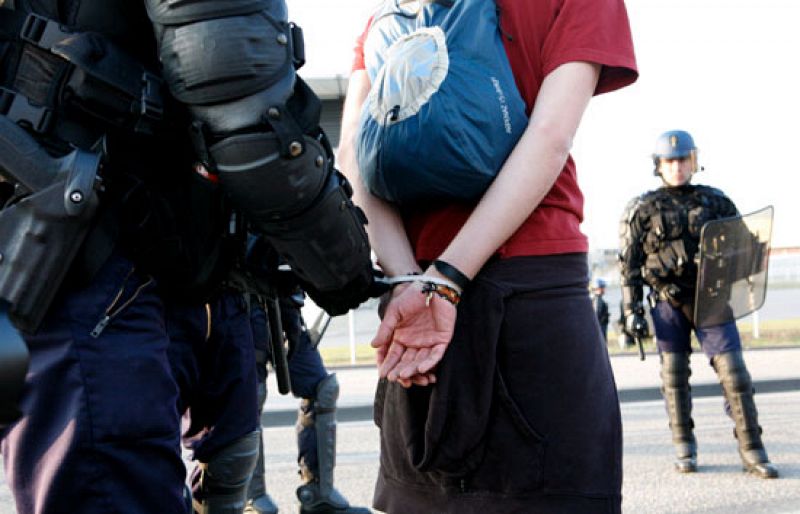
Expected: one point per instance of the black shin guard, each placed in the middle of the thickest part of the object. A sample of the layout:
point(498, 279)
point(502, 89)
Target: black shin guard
point(738, 389)
point(675, 374)
point(222, 487)
point(318, 495)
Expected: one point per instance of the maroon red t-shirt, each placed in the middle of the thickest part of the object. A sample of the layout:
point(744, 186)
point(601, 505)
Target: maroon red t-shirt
point(540, 36)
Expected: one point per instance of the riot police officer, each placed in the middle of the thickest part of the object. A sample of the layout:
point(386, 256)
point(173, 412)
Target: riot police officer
point(660, 233)
point(138, 153)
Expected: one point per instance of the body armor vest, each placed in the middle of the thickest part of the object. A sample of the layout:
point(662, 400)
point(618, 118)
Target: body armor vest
point(85, 74)
point(660, 234)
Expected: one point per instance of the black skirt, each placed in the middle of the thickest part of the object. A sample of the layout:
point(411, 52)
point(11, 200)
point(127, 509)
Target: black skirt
point(524, 416)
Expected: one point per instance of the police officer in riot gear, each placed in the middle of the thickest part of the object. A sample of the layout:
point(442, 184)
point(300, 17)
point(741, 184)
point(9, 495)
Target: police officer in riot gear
point(316, 417)
point(660, 232)
point(141, 140)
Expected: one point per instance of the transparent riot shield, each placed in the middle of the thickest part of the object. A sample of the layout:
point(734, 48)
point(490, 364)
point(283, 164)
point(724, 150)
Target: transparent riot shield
point(732, 270)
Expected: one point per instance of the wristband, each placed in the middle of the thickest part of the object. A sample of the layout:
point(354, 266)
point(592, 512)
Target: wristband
point(451, 272)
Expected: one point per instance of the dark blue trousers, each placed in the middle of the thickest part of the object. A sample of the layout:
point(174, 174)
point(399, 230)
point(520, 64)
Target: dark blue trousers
point(100, 432)
point(673, 333)
point(213, 360)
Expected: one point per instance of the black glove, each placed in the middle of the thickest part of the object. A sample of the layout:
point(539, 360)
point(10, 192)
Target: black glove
point(636, 324)
point(353, 294)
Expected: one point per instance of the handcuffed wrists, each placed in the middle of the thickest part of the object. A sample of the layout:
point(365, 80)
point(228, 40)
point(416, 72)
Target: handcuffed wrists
point(442, 287)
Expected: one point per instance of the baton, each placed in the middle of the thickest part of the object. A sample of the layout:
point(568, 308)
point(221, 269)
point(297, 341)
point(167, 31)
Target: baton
point(641, 347)
point(279, 361)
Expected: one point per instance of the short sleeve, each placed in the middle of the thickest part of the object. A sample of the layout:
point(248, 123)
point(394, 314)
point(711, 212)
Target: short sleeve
point(596, 31)
point(358, 57)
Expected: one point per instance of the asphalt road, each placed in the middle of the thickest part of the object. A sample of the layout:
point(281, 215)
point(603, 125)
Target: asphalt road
point(650, 484)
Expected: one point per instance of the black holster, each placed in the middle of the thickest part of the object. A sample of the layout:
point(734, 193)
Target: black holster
point(43, 227)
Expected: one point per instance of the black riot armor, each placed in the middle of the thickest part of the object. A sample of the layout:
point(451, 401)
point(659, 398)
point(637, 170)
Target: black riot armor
point(256, 128)
point(659, 234)
point(140, 86)
point(165, 131)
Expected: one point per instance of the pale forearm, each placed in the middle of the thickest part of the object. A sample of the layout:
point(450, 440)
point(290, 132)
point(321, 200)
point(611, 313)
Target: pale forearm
point(509, 201)
point(385, 228)
point(530, 170)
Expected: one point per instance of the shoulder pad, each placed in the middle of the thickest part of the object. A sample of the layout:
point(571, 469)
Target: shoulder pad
point(650, 196)
point(713, 192)
point(708, 190)
point(724, 205)
point(632, 207)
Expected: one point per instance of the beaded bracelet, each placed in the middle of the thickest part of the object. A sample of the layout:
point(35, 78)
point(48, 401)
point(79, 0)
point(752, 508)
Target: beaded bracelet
point(443, 291)
point(431, 285)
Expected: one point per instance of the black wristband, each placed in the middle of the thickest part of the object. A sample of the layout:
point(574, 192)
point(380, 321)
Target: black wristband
point(451, 272)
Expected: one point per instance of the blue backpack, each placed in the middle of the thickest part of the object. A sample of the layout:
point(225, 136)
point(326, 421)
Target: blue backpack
point(443, 112)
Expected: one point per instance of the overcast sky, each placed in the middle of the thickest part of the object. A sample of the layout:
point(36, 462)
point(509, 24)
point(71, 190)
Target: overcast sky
point(728, 71)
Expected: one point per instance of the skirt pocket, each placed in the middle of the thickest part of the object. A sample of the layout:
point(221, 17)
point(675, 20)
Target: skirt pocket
point(515, 451)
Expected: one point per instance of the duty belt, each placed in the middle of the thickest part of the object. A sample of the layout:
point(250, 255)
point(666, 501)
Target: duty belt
point(63, 77)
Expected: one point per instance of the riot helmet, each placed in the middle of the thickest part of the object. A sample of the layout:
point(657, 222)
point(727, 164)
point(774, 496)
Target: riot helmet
point(675, 144)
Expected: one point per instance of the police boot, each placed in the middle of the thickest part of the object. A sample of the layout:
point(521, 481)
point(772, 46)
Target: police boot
point(675, 374)
point(221, 485)
point(738, 389)
point(316, 437)
point(258, 500)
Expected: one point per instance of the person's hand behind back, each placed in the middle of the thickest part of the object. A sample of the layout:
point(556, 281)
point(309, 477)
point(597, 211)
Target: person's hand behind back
point(413, 335)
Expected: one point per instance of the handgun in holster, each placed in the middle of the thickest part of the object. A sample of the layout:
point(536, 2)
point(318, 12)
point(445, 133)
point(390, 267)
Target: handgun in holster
point(42, 227)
